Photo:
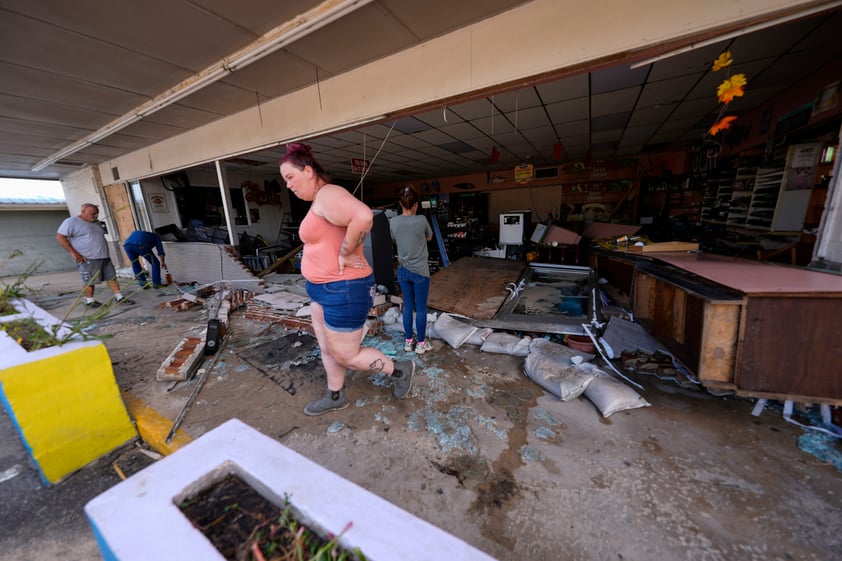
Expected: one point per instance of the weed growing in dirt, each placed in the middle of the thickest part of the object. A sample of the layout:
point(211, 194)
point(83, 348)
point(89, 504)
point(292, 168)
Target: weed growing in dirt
point(244, 526)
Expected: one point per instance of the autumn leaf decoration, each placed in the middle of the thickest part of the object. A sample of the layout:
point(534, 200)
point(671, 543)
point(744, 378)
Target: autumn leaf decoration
point(730, 88)
point(722, 124)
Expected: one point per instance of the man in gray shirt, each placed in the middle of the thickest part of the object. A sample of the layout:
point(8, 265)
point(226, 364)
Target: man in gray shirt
point(84, 239)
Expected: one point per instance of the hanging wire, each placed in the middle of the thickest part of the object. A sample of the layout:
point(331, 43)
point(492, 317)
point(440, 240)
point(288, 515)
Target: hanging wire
point(492, 115)
point(368, 167)
point(517, 95)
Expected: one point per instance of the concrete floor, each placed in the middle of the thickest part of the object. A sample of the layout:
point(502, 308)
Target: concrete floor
point(479, 450)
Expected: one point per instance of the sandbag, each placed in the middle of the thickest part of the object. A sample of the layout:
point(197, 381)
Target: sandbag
point(452, 330)
point(561, 353)
point(479, 337)
point(610, 395)
point(507, 344)
point(550, 366)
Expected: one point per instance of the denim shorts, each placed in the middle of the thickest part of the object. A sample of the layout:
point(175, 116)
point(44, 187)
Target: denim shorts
point(346, 303)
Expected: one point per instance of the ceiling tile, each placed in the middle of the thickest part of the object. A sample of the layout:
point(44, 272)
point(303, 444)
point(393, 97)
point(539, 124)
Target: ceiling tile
point(517, 100)
point(614, 102)
point(651, 115)
point(691, 62)
point(666, 92)
point(474, 109)
point(609, 122)
point(570, 110)
point(616, 78)
point(562, 90)
point(528, 118)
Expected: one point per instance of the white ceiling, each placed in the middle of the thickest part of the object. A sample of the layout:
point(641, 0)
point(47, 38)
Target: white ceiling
point(70, 68)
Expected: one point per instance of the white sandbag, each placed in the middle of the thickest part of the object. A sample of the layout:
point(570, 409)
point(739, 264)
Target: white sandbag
point(453, 331)
point(479, 336)
point(507, 344)
point(561, 353)
point(553, 371)
point(611, 395)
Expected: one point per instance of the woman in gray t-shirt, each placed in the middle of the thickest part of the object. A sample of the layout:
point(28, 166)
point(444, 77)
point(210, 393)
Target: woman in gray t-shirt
point(411, 233)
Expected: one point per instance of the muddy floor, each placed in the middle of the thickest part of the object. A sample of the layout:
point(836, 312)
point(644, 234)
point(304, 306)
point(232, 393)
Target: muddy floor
point(481, 451)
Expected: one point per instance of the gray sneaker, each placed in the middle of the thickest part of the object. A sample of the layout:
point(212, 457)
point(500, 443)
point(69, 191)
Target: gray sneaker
point(402, 378)
point(330, 401)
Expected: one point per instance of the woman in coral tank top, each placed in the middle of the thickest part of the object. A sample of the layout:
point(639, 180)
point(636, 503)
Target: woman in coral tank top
point(340, 281)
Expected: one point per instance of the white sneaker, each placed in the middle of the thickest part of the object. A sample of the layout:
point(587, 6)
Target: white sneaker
point(408, 345)
point(423, 347)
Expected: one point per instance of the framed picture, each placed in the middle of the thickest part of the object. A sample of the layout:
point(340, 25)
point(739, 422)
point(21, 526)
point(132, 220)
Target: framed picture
point(158, 202)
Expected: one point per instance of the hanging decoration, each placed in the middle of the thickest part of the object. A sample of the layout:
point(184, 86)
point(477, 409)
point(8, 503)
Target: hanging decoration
point(730, 88)
point(524, 173)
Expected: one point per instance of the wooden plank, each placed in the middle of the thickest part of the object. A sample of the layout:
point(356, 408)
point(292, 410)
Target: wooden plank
point(644, 296)
point(474, 287)
point(679, 320)
point(720, 327)
point(791, 347)
point(271, 268)
point(663, 318)
point(662, 247)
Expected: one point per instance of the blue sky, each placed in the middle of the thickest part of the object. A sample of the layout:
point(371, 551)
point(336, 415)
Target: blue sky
point(30, 188)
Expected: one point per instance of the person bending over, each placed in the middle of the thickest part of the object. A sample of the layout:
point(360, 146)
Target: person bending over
point(140, 244)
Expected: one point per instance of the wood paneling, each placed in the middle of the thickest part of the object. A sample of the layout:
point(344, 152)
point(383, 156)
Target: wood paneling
point(792, 347)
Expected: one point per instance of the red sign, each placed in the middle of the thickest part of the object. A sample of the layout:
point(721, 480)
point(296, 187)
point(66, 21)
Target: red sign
point(358, 165)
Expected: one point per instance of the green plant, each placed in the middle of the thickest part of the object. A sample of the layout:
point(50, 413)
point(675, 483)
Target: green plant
point(16, 289)
point(29, 334)
point(244, 526)
point(32, 336)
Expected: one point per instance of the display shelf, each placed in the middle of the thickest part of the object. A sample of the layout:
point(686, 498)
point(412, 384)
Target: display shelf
point(741, 194)
point(765, 195)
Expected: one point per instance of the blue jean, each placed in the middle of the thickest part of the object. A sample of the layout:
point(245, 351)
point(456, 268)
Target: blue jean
point(414, 288)
point(346, 304)
point(135, 252)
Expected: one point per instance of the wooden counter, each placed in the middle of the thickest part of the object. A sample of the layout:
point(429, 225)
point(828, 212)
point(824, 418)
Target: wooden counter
point(759, 329)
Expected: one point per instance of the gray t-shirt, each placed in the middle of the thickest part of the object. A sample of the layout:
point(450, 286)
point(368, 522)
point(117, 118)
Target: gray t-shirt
point(411, 233)
point(88, 238)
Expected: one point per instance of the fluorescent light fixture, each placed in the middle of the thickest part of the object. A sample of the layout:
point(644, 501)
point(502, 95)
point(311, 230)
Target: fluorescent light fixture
point(282, 35)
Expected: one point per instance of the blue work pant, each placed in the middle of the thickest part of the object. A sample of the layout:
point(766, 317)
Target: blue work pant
point(135, 252)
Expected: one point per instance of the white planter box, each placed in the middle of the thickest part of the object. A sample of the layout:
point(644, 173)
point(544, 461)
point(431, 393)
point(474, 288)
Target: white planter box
point(139, 520)
point(63, 400)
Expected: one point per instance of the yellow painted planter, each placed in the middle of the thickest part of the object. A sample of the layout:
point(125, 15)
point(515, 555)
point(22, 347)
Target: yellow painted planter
point(64, 400)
